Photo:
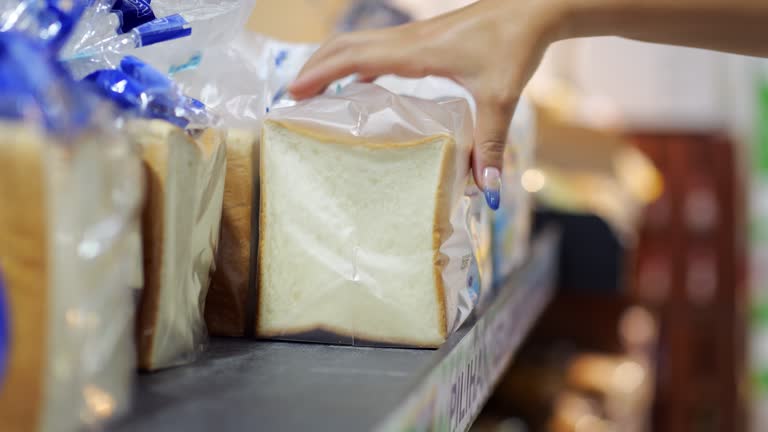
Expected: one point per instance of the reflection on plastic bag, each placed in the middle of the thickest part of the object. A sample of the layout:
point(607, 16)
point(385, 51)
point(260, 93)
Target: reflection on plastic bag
point(363, 232)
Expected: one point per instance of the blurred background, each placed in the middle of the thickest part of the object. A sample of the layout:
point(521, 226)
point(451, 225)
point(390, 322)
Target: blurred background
point(654, 160)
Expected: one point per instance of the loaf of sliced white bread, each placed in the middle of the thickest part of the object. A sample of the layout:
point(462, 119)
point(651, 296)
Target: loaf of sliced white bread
point(68, 220)
point(227, 303)
point(357, 193)
point(180, 232)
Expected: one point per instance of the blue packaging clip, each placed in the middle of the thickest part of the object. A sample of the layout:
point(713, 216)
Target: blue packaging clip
point(163, 29)
point(140, 88)
point(117, 86)
point(132, 13)
point(144, 73)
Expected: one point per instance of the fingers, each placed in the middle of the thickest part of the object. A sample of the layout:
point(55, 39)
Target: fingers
point(487, 155)
point(367, 78)
point(368, 54)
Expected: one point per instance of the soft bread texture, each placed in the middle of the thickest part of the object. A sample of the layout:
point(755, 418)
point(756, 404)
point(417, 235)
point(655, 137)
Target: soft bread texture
point(24, 268)
point(180, 227)
point(226, 304)
point(350, 235)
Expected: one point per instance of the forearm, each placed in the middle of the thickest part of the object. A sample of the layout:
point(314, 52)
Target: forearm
point(738, 26)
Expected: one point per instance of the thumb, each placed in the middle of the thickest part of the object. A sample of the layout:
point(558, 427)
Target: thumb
point(488, 151)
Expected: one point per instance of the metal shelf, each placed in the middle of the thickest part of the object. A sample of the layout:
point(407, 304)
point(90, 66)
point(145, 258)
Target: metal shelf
point(241, 384)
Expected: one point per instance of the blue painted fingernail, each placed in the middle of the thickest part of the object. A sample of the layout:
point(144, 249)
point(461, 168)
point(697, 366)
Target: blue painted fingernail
point(492, 198)
point(492, 187)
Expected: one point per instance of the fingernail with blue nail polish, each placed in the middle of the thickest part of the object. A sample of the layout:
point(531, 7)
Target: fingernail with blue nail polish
point(492, 187)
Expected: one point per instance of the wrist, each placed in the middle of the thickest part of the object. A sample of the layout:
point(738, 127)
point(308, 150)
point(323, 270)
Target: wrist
point(580, 18)
point(553, 18)
point(559, 17)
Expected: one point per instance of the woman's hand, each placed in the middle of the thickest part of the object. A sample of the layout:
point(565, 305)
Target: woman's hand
point(491, 47)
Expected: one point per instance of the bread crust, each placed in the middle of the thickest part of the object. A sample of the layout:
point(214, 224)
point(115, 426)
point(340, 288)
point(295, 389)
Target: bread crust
point(226, 303)
point(441, 227)
point(155, 162)
point(25, 269)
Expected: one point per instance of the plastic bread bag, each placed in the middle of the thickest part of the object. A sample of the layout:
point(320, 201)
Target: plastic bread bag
point(49, 23)
point(239, 80)
point(181, 217)
point(479, 217)
point(114, 28)
point(180, 229)
point(220, 81)
point(213, 23)
point(362, 231)
point(140, 89)
point(70, 188)
point(512, 221)
point(111, 28)
point(231, 79)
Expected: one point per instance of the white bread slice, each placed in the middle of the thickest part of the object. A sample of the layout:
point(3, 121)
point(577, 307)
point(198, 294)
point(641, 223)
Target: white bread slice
point(350, 236)
point(227, 301)
point(180, 227)
point(64, 245)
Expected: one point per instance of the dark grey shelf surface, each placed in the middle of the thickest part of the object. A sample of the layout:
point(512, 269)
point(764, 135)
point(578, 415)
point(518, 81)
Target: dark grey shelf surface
point(250, 385)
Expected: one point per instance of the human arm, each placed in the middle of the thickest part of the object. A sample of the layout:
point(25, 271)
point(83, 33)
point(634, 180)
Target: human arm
point(492, 47)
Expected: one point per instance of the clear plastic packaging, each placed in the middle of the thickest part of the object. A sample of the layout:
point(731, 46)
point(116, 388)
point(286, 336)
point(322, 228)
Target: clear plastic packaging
point(213, 23)
point(70, 191)
point(111, 29)
point(512, 221)
point(217, 79)
point(479, 216)
point(363, 235)
point(67, 248)
point(185, 171)
point(145, 92)
point(49, 22)
point(241, 104)
point(180, 230)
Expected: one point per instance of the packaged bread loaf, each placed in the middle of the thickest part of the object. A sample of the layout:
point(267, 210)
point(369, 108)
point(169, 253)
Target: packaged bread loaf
point(362, 236)
point(180, 232)
point(240, 105)
point(68, 217)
